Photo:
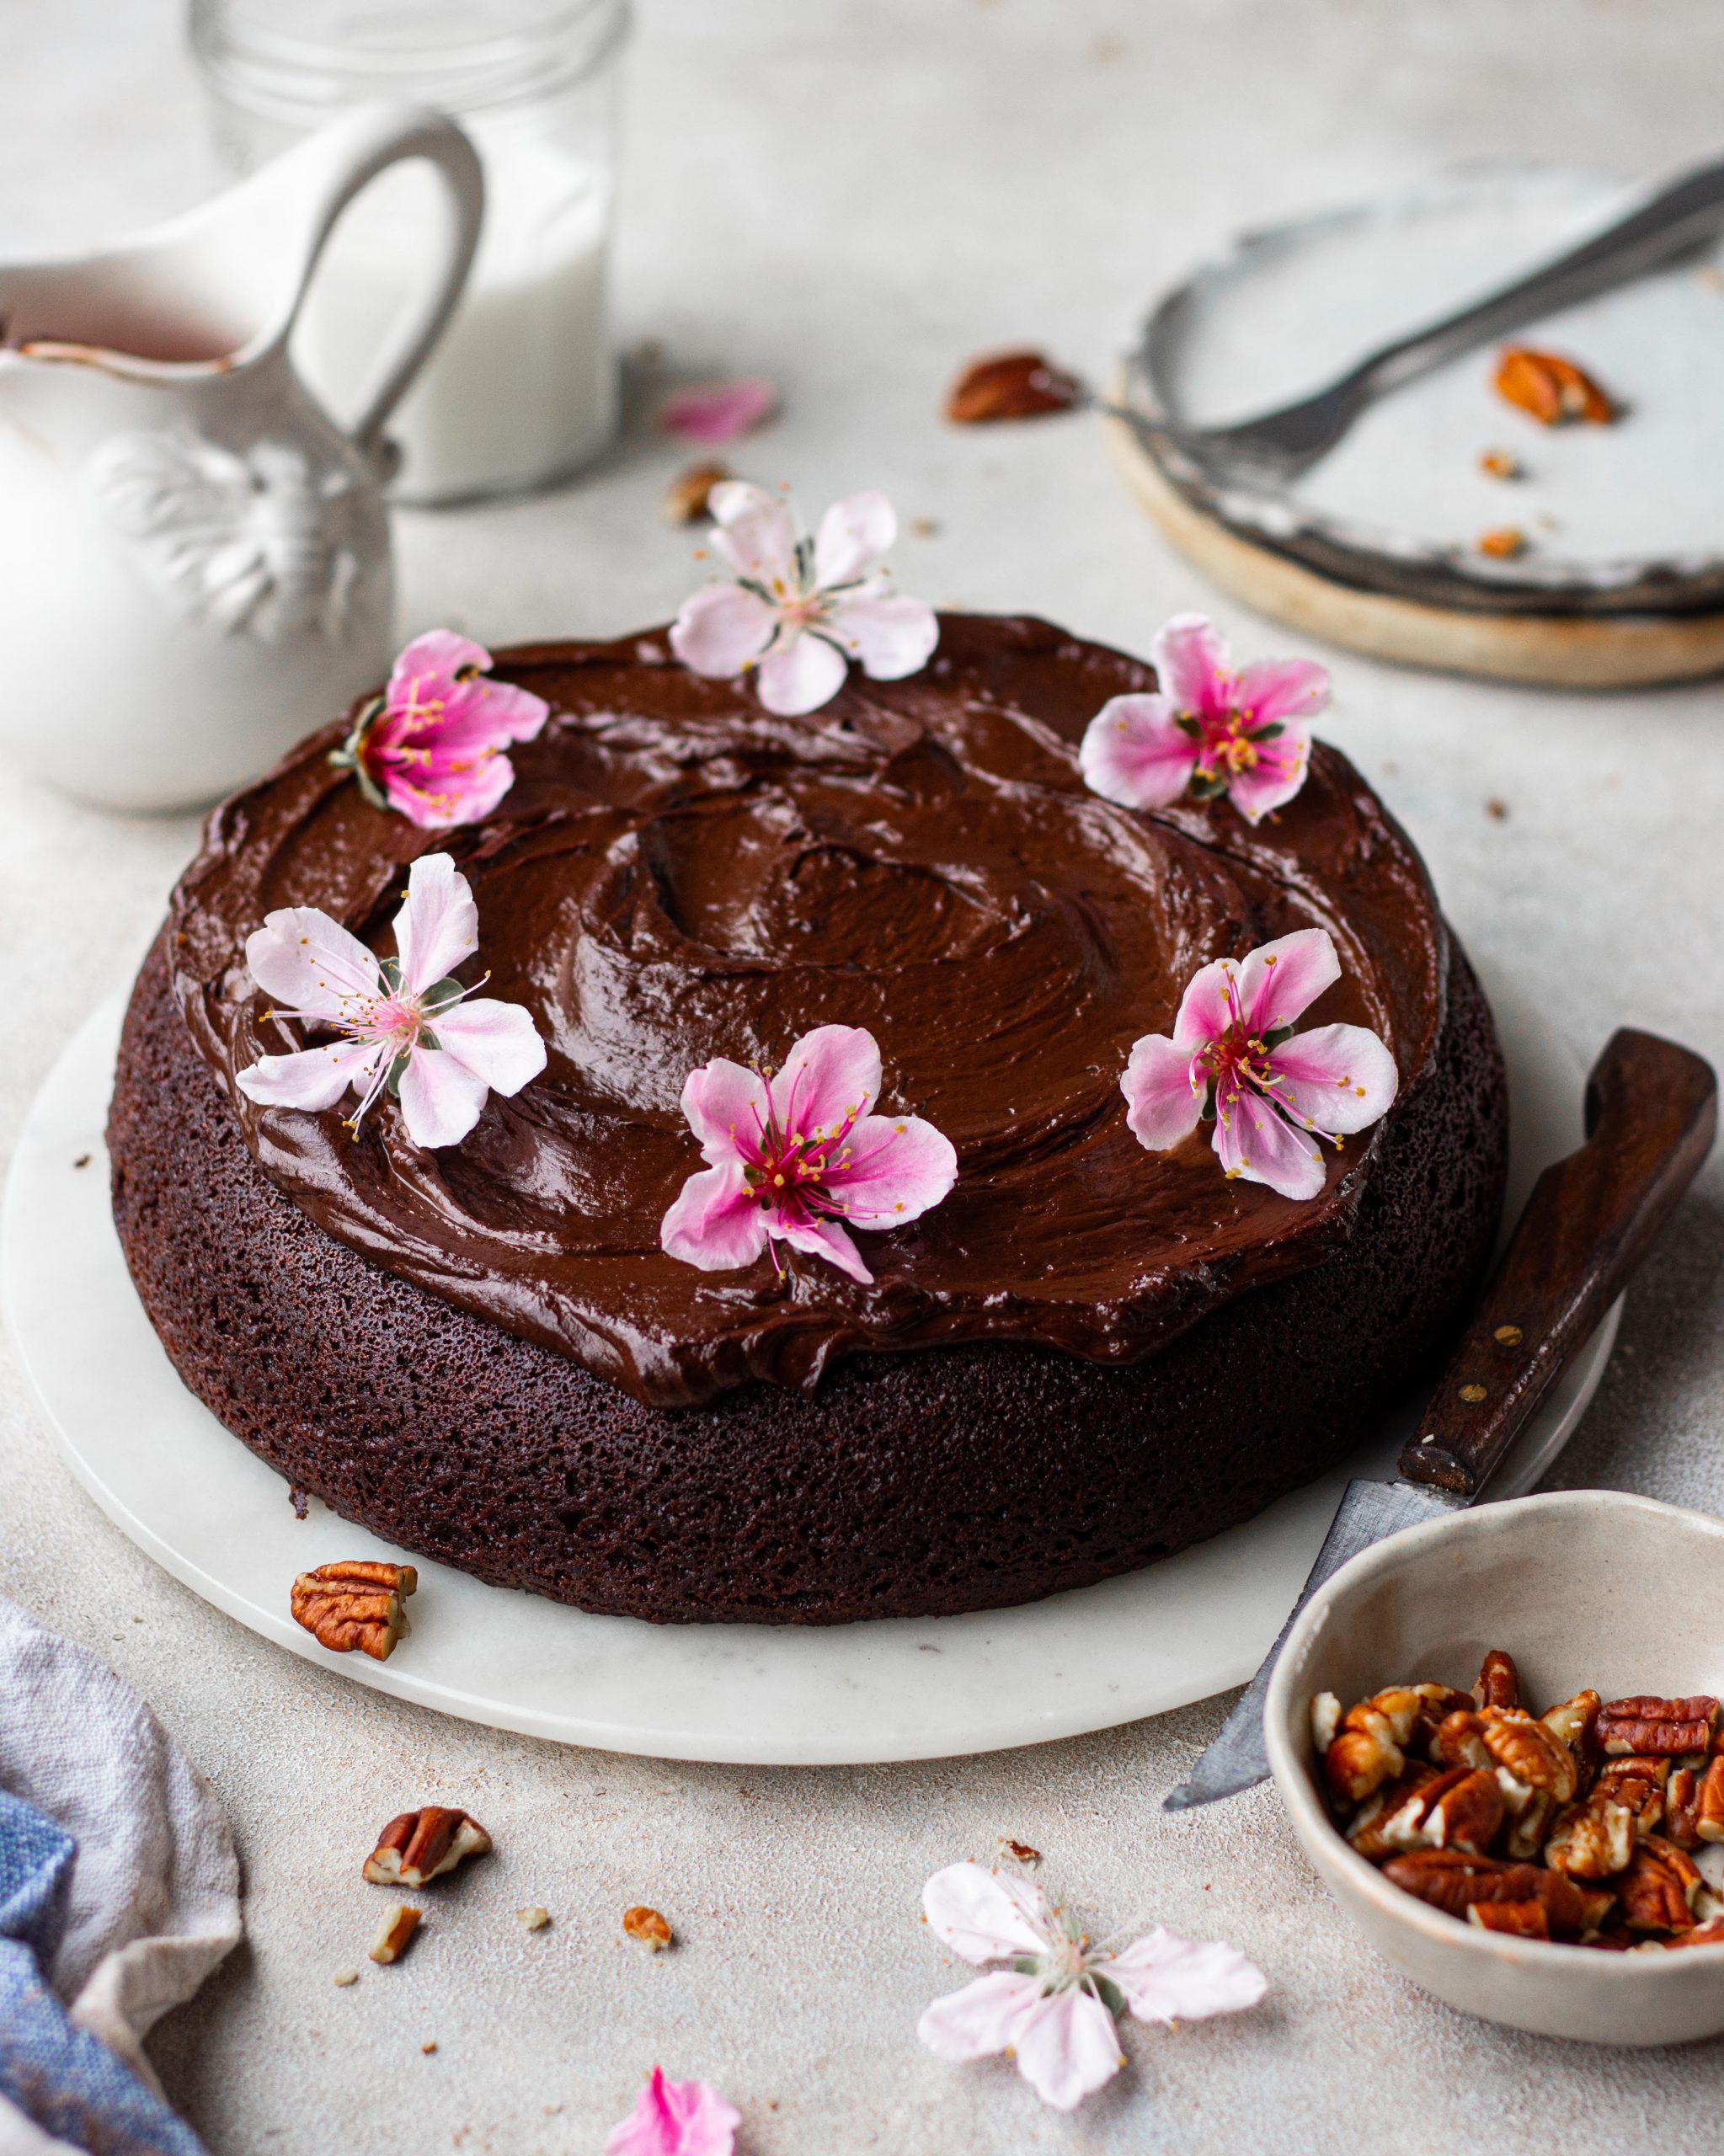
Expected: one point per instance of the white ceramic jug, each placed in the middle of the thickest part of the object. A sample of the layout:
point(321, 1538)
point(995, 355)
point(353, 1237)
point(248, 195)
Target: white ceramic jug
point(194, 559)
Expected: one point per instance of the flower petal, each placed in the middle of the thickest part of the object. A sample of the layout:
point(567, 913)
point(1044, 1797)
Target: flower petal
point(1166, 1978)
point(440, 1098)
point(715, 1222)
point(830, 1076)
point(722, 629)
point(1133, 753)
point(1342, 1078)
point(725, 1104)
point(1272, 689)
point(754, 531)
point(983, 2018)
point(1281, 769)
point(1256, 1144)
point(892, 636)
point(1163, 1104)
point(803, 673)
point(496, 1041)
point(898, 1167)
point(854, 535)
point(311, 1078)
point(1279, 981)
point(435, 799)
point(713, 413)
point(308, 962)
point(1191, 666)
point(986, 1916)
point(1207, 1008)
point(427, 668)
point(438, 926)
point(1067, 2047)
point(484, 713)
point(676, 2118)
point(824, 1239)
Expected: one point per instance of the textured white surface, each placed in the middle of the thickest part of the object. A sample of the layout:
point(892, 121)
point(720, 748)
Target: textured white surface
point(855, 197)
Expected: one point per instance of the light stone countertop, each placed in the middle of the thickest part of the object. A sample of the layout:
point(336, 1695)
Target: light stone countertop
point(854, 196)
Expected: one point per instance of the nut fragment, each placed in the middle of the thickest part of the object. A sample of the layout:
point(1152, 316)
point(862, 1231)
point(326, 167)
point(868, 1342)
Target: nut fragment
point(1682, 1805)
point(1018, 1852)
point(420, 1846)
point(1010, 386)
point(1503, 542)
point(1367, 1750)
point(1325, 1720)
point(344, 1978)
point(1709, 1933)
point(1498, 1681)
point(1370, 1830)
point(686, 497)
point(1499, 464)
point(1640, 1785)
point(1525, 1919)
point(648, 1926)
point(1709, 1809)
point(396, 1929)
point(534, 1919)
point(1592, 1839)
point(355, 1604)
point(1645, 1724)
point(1571, 1722)
point(1459, 1740)
point(1553, 389)
point(1659, 1888)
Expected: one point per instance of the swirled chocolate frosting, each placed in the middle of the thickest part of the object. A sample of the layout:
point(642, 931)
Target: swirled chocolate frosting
point(677, 875)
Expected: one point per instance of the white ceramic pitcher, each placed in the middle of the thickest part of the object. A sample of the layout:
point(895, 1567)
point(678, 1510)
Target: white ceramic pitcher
point(194, 558)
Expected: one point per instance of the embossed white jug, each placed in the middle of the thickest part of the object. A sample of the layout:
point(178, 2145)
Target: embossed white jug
point(194, 557)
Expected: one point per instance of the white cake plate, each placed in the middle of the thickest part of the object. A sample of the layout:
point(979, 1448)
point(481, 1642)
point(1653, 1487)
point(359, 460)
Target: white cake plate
point(170, 1477)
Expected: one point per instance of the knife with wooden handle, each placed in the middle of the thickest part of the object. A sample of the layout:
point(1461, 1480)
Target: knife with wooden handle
point(1651, 1114)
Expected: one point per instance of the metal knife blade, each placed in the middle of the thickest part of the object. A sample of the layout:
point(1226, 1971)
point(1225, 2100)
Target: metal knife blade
point(1651, 1113)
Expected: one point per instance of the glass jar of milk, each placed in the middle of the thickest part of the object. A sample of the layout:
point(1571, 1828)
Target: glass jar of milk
point(522, 390)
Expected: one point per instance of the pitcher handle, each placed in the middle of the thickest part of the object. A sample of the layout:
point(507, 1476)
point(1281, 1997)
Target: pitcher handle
point(351, 153)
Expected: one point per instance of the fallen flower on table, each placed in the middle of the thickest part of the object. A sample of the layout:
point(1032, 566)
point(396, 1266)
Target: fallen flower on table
point(676, 2118)
point(1234, 1057)
point(800, 608)
point(714, 413)
point(1206, 730)
point(1053, 2011)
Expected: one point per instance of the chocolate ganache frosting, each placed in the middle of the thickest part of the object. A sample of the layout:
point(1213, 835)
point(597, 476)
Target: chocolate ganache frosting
point(675, 875)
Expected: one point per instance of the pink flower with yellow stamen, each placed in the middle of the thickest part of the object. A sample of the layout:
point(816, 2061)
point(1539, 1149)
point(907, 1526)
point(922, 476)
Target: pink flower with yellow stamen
point(408, 1025)
point(1207, 730)
point(1235, 1056)
point(431, 744)
point(799, 1157)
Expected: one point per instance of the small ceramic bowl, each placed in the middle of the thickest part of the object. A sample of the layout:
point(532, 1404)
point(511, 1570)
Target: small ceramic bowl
point(1582, 1587)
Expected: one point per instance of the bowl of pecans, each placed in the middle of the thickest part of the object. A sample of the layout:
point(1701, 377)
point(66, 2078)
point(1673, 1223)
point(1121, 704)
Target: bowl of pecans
point(1499, 1740)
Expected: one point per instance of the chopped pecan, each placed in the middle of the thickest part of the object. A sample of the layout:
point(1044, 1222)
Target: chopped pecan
point(1659, 1888)
point(1368, 1830)
point(357, 1603)
point(648, 1926)
point(1573, 1721)
point(1459, 1740)
point(1682, 1806)
point(686, 497)
point(1525, 1919)
point(1664, 1728)
point(1437, 1702)
point(1530, 1753)
point(1010, 386)
point(1640, 1785)
point(1498, 1682)
point(1709, 1809)
point(1553, 389)
point(1592, 1839)
point(1709, 1933)
point(396, 1929)
point(420, 1846)
point(1367, 1750)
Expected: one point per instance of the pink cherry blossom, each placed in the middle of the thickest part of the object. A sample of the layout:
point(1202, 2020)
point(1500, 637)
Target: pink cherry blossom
point(1207, 730)
point(430, 744)
point(1233, 1055)
point(714, 413)
point(1054, 2010)
point(800, 609)
point(799, 1158)
point(676, 2118)
point(405, 1023)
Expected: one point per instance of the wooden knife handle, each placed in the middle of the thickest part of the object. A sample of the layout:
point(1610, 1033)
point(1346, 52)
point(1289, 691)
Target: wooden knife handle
point(1651, 1113)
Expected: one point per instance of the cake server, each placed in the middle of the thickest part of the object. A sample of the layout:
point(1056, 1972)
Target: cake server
point(1651, 1113)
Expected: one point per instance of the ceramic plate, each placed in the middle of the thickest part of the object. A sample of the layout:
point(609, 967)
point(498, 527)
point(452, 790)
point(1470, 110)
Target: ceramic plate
point(1623, 518)
point(171, 1478)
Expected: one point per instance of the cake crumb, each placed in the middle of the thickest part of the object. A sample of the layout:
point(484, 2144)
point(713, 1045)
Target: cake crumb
point(82, 1161)
point(427, 2048)
point(297, 1498)
point(925, 527)
point(1019, 1852)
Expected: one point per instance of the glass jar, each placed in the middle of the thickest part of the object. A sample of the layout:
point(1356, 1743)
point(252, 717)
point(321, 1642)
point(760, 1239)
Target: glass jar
point(522, 389)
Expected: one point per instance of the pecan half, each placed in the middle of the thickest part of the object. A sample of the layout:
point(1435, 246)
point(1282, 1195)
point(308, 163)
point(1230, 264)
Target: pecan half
point(1369, 1832)
point(1525, 1919)
point(1553, 389)
point(1592, 1839)
point(1573, 1721)
point(1682, 1808)
point(1452, 1881)
point(1459, 1740)
point(1640, 1785)
point(1659, 1888)
point(355, 1604)
point(1459, 1809)
point(1010, 386)
point(1498, 1682)
point(420, 1846)
point(1530, 1753)
point(1709, 1808)
point(1367, 1750)
point(1662, 1727)
point(1437, 1702)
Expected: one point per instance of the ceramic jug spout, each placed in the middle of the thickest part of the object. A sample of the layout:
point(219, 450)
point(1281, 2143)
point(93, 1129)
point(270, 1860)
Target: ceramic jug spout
point(195, 555)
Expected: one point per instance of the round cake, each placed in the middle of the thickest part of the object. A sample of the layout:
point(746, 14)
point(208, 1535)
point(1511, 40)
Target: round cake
point(1088, 1355)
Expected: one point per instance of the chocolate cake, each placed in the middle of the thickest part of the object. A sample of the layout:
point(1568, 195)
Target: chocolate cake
point(1088, 1355)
